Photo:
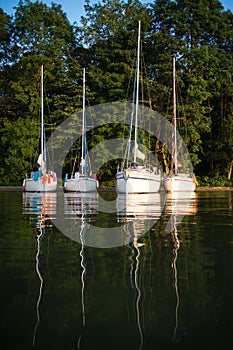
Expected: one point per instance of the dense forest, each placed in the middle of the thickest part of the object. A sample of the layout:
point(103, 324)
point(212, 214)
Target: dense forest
point(198, 32)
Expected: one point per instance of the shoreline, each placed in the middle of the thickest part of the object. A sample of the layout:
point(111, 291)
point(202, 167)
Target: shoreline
point(112, 189)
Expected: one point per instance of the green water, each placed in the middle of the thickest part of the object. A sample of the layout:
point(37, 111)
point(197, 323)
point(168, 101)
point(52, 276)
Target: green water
point(168, 287)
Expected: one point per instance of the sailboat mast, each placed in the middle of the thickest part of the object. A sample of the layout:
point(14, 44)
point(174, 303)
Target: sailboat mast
point(174, 137)
point(83, 122)
point(42, 114)
point(137, 92)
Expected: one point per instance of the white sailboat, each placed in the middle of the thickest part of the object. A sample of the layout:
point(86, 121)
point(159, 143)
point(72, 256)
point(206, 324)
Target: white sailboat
point(177, 181)
point(135, 178)
point(83, 180)
point(41, 180)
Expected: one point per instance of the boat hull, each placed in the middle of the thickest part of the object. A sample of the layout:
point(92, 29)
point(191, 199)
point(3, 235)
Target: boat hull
point(180, 183)
point(39, 185)
point(133, 181)
point(83, 184)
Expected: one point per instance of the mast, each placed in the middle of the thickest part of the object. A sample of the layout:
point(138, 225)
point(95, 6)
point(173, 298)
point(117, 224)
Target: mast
point(174, 140)
point(137, 92)
point(83, 124)
point(42, 117)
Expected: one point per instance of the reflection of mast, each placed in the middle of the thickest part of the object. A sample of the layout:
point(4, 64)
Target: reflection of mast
point(174, 267)
point(138, 294)
point(178, 205)
point(40, 207)
point(134, 272)
point(39, 238)
point(83, 274)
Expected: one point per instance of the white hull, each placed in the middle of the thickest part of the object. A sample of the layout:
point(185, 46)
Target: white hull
point(135, 181)
point(30, 185)
point(180, 183)
point(82, 184)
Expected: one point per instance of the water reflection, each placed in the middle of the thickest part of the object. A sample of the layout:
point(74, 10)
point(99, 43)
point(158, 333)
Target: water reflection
point(139, 218)
point(178, 205)
point(76, 205)
point(77, 216)
point(83, 280)
point(40, 207)
point(136, 286)
point(107, 229)
point(40, 235)
point(137, 214)
point(140, 206)
point(181, 204)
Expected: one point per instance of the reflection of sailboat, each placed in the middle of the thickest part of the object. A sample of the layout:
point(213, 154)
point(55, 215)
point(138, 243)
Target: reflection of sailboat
point(98, 233)
point(178, 205)
point(41, 180)
point(176, 246)
point(40, 235)
point(137, 178)
point(177, 181)
point(77, 207)
point(83, 275)
point(143, 205)
point(40, 207)
point(135, 284)
point(76, 204)
point(138, 213)
point(82, 181)
point(181, 204)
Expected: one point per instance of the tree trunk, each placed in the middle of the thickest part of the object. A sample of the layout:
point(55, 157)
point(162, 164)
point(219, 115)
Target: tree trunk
point(230, 170)
point(164, 154)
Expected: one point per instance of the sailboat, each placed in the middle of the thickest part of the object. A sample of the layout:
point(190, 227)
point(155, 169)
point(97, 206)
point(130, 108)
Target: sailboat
point(177, 181)
point(41, 180)
point(82, 181)
point(135, 178)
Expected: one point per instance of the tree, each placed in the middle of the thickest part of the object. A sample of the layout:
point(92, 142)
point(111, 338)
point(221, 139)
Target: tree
point(199, 34)
point(39, 35)
point(191, 31)
point(110, 33)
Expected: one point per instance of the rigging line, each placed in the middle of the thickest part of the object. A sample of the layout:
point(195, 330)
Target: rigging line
point(135, 98)
point(137, 91)
point(125, 128)
point(73, 169)
point(183, 110)
point(149, 101)
point(131, 119)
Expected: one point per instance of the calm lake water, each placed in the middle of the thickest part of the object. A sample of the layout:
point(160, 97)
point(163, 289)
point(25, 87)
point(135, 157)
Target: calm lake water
point(101, 272)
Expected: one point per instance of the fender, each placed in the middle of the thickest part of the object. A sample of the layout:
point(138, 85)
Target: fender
point(126, 175)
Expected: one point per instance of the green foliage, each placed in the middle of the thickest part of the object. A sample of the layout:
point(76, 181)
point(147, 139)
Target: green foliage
point(218, 181)
point(19, 140)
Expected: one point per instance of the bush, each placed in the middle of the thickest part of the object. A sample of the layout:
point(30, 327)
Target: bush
point(217, 181)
